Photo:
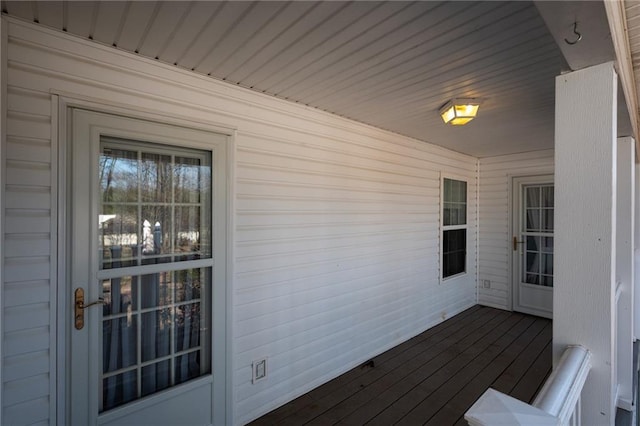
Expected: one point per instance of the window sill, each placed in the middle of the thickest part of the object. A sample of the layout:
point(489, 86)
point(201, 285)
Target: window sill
point(453, 277)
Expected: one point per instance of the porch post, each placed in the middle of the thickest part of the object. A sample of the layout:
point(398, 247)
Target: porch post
point(624, 270)
point(585, 229)
point(3, 170)
point(636, 245)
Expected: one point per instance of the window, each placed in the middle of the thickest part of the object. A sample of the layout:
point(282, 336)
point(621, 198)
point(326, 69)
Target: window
point(537, 234)
point(155, 267)
point(454, 227)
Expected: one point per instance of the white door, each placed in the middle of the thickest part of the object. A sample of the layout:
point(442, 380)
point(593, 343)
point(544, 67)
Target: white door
point(532, 245)
point(147, 272)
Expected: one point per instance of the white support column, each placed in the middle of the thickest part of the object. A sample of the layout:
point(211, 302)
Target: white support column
point(3, 170)
point(624, 270)
point(585, 229)
point(636, 277)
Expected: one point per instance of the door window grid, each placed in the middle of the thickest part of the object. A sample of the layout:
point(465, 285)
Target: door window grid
point(538, 227)
point(154, 360)
point(172, 330)
point(148, 242)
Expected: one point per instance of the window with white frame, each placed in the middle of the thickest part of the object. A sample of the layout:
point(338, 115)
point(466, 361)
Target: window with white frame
point(454, 227)
point(156, 265)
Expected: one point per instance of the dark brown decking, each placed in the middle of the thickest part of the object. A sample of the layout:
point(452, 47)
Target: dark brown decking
point(435, 377)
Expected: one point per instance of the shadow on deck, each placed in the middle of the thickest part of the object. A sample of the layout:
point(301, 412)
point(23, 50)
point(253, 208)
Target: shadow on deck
point(435, 377)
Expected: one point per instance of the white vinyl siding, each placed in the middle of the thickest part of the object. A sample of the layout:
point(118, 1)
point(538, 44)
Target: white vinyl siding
point(336, 237)
point(28, 268)
point(494, 260)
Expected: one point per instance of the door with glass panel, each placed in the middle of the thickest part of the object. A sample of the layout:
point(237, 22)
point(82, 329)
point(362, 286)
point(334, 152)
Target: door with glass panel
point(532, 245)
point(147, 272)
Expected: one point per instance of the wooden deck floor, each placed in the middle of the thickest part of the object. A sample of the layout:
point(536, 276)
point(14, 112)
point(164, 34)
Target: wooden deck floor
point(435, 377)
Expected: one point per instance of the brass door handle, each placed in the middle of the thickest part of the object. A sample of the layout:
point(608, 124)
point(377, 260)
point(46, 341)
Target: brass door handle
point(79, 307)
point(516, 242)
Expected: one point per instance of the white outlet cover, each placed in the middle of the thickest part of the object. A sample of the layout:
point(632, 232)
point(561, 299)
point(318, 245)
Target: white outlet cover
point(259, 370)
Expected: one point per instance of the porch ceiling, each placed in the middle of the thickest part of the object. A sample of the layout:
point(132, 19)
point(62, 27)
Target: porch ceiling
point(388, 64)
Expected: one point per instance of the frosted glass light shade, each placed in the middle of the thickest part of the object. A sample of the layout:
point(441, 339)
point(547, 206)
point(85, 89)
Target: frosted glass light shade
point(458, 112)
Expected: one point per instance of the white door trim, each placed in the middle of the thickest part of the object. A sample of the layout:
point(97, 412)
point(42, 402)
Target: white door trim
point(61, 131)
point(514, 222)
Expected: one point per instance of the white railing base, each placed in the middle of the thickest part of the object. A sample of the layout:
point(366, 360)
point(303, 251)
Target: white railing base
point(561, 392)
point(496, 408)
point(558, 402)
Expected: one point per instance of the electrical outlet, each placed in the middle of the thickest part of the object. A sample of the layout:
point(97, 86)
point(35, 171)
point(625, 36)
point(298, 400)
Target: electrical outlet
point(259, 370)
point(486, 283)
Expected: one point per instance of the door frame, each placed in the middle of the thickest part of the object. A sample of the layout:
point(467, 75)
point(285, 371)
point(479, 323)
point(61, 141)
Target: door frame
point(61, 105)
point(515, 209)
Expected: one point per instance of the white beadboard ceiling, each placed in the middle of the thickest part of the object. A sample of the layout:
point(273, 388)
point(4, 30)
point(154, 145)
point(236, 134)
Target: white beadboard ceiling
point(387, 64)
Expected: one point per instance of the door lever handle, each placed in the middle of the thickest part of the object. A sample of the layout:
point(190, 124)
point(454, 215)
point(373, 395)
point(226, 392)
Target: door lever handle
point(100, 301)
point(516, 242)
point(80, 307)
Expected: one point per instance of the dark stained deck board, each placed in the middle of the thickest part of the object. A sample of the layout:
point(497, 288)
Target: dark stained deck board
point(518, 368)
point(413, 357)
point(436, 400)
point(408, 350)
point(526, 389)
point(418, 365)
point(435, 377)
point(470, 393)
point(415, 389)
point(388, 359)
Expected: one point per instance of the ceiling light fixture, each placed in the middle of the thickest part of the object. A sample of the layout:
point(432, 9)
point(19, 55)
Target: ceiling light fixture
point(458, 112)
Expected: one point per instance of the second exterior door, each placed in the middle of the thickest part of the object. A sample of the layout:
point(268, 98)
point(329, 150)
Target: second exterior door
point(532, 245)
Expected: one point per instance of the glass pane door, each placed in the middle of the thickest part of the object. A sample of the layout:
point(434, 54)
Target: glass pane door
point(155, 262)
point(537, 235)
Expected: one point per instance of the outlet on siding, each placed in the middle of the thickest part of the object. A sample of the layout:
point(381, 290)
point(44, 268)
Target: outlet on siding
point(486, 283)
point(259, 370)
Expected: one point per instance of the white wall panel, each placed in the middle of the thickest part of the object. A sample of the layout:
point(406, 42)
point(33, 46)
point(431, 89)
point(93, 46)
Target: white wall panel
point(34, 363)
point(27, 261)
point(24, 342)
point(35, 411)
point(494, 259)
point(336, 237)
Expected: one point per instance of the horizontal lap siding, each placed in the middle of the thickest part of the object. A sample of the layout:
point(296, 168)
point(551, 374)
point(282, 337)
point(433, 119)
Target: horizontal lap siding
point(27, 258)
point(336, 258)
point(494, 220)
point(336, 238)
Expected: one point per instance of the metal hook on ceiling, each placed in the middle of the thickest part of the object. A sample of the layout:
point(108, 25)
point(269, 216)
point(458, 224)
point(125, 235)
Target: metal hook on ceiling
point(575, 31)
